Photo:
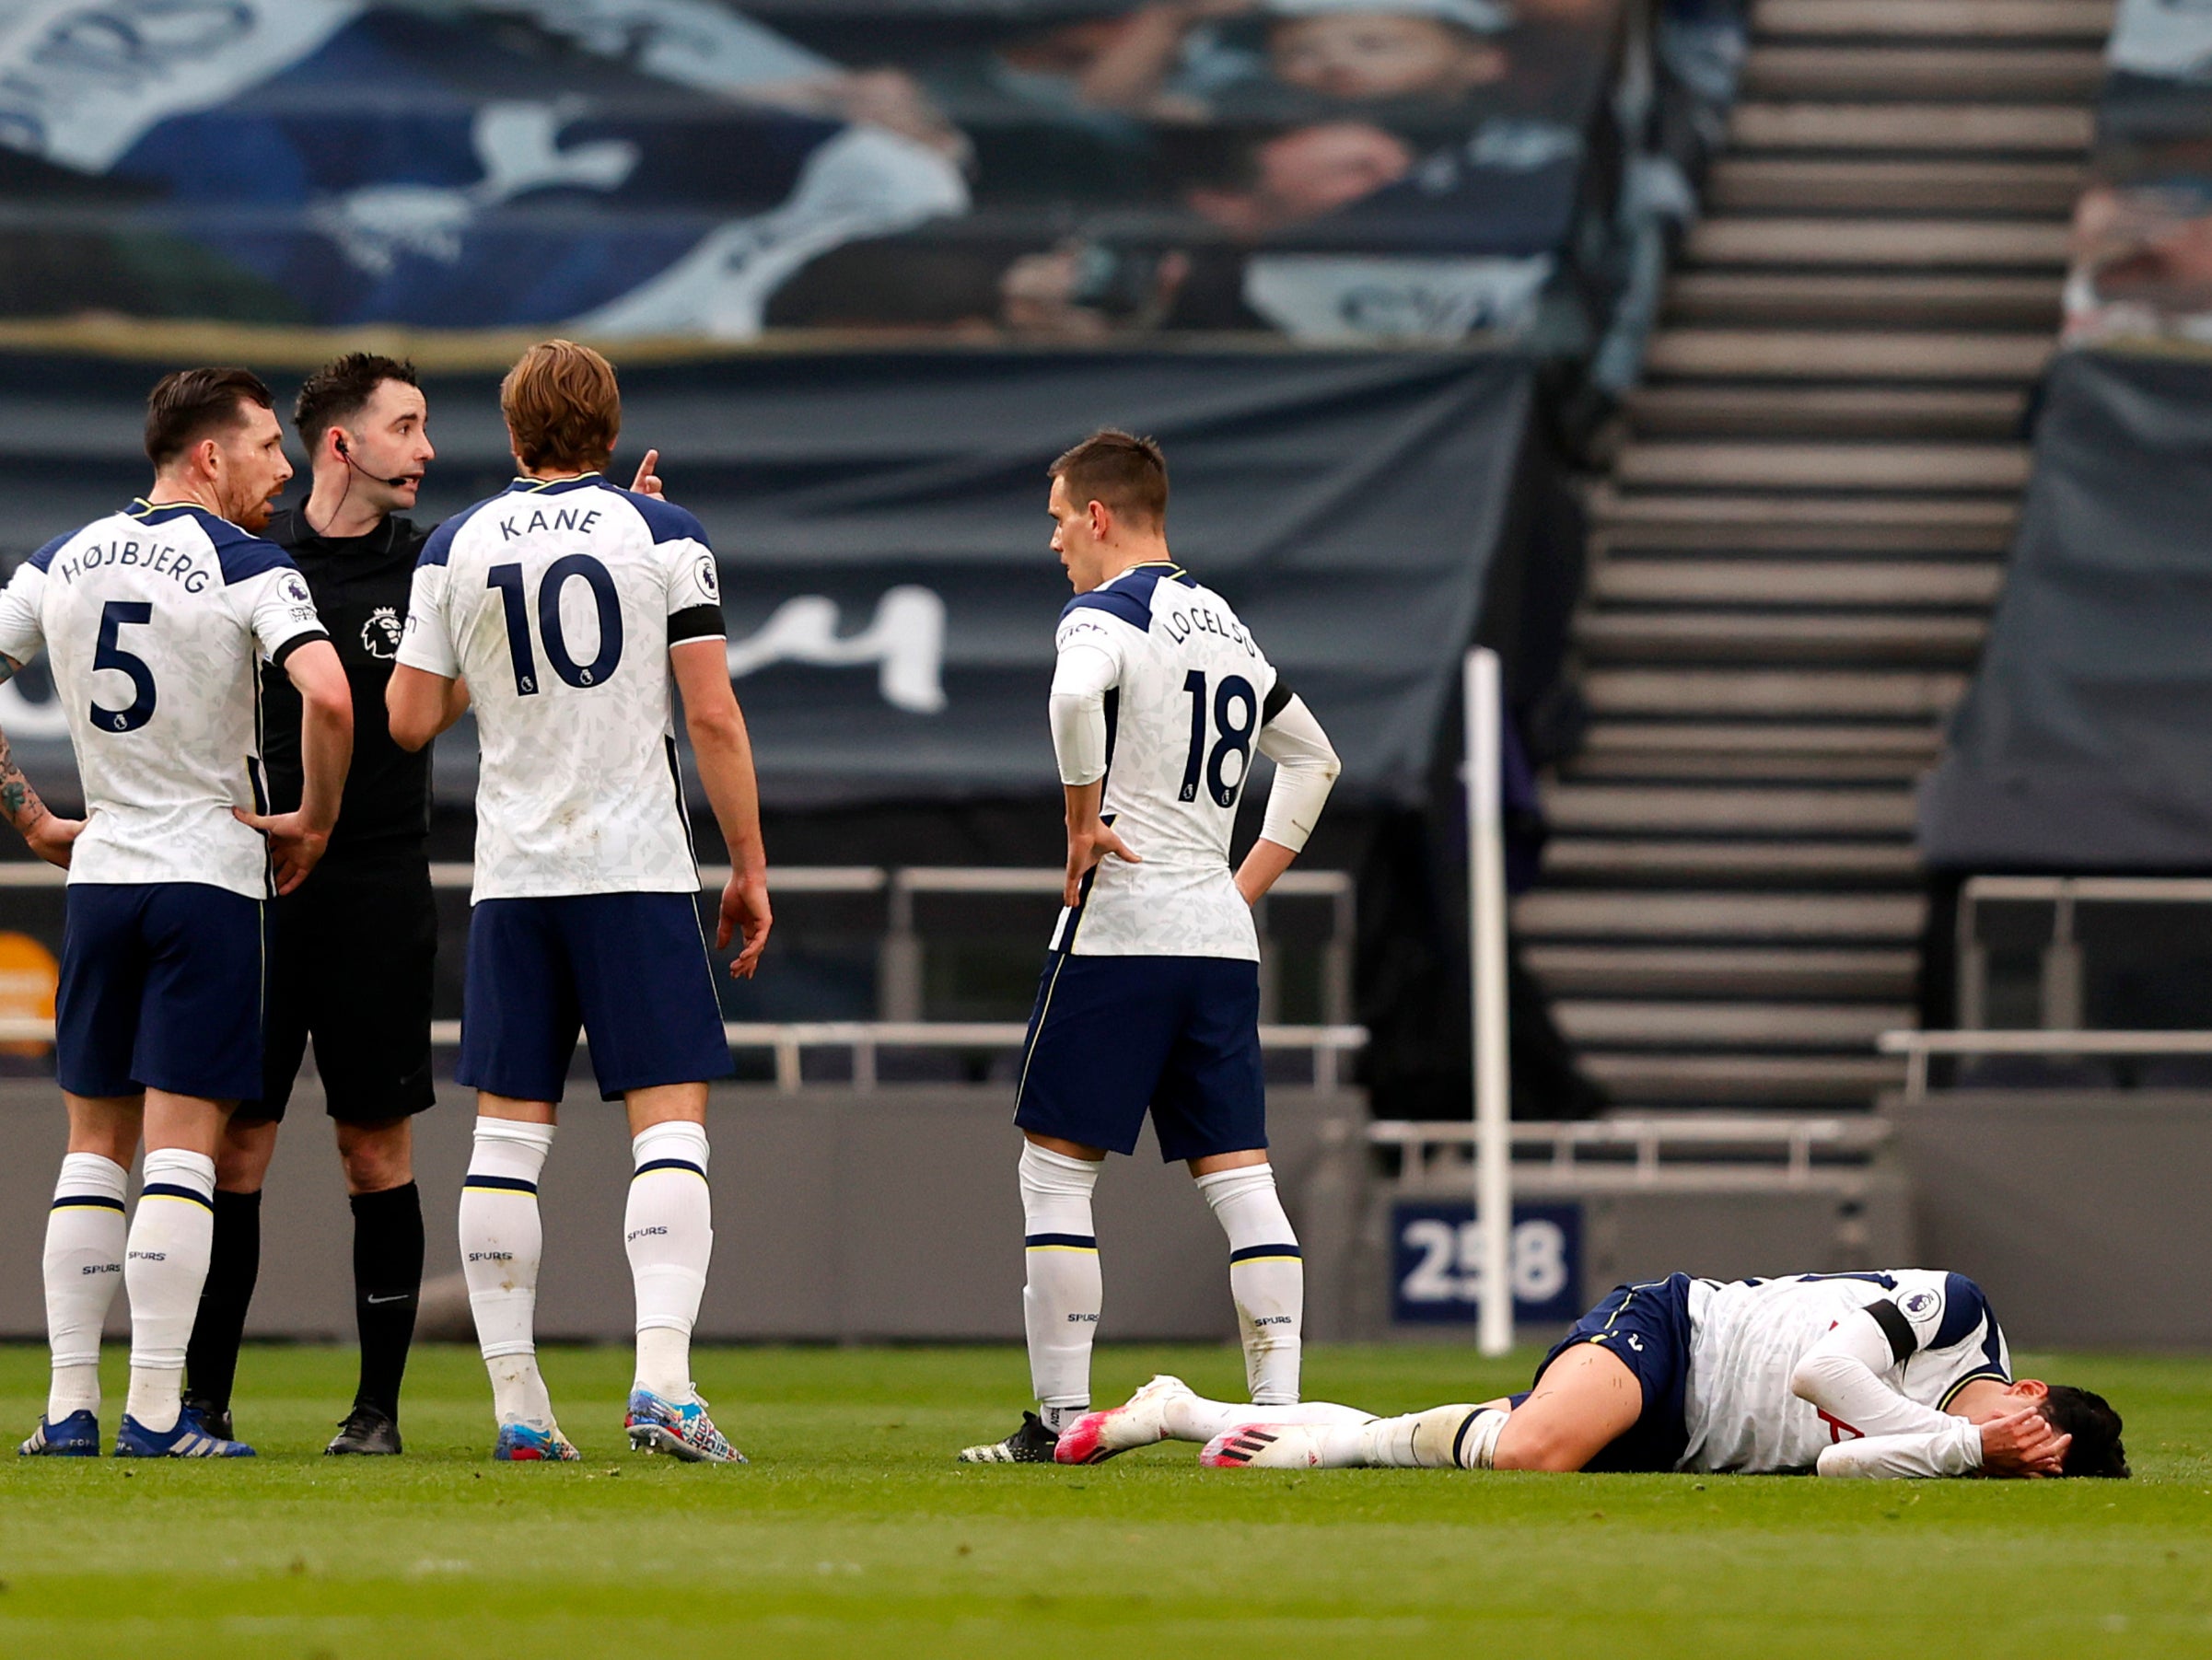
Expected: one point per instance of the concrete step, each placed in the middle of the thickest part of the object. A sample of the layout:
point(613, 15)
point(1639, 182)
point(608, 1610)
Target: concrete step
point(1988, 73)
point(1728, 1025)
point(1775, 523)
point(1711, 464)
point(1724, 971)
point(1744, 1080)
point(1848, 355)
point(1767, 184)
point(1597, 859)
point(1890, 301)
point(1895, 583)
point(2088, 20)
point(1997, 244)
point(1834, 694)
point(1607, 917)
point(1824, 412)
point(1744, 769)
point(1676, 809)
point(1959, 128)
point(1653, 636)
point(1759, 737)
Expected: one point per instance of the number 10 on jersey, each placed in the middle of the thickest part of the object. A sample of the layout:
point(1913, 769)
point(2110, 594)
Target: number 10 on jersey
point(511, 583)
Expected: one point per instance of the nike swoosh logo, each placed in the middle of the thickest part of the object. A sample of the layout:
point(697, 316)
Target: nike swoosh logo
point(397, 1297)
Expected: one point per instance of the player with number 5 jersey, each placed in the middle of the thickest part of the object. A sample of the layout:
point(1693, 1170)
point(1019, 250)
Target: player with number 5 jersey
point(154, 620)
point(1150, 996)
point(574, 612)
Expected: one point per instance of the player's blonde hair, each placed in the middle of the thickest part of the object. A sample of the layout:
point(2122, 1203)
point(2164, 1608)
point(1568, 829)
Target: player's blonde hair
point(562, 407)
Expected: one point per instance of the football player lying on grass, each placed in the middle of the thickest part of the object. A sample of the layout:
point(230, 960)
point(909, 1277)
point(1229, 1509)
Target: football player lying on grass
point(1871, 1375)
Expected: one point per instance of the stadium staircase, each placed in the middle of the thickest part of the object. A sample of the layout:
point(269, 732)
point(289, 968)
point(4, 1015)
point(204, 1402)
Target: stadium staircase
point(1796, 555)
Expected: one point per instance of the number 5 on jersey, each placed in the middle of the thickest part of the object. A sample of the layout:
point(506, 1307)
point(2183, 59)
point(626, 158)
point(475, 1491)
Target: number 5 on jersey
point(509, 580)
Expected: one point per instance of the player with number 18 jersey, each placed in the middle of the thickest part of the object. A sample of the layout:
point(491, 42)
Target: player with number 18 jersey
point(1150, 1002)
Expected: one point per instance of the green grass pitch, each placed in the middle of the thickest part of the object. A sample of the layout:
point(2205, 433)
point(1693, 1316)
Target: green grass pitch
point(854, 1532)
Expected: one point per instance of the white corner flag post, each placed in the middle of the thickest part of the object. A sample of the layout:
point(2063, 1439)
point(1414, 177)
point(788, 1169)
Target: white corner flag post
point(1487, 961)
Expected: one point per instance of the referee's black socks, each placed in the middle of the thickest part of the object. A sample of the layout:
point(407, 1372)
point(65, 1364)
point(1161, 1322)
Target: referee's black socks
point(234, 1263)
point(388, 1283)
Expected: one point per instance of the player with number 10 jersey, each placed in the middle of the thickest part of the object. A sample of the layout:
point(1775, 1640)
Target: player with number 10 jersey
point(574, 612)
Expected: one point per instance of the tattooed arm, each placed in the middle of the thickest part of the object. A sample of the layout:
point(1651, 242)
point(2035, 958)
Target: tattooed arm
point(49, 835)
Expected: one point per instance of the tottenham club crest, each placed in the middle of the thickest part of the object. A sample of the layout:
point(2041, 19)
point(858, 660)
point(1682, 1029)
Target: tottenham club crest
point(380, 633)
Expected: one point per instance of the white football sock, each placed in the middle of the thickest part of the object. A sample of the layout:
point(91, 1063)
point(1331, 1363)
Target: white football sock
point(1061, 1299)
point(669, 1229)
point(1464, 1437)
point(165, 1264)
point(1267, 1278)
point(502, 1242)
point(84, 1269)
point(1194, 1417)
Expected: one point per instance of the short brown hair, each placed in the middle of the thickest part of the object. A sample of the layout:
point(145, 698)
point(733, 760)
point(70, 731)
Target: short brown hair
point(1126, 472)
point(341, 390)
point(186, 407)
point(561, 405)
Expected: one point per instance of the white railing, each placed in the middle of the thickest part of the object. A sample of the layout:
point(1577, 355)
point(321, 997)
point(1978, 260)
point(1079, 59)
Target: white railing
point(864, 1040)
point(2061, 969)
point(898, 963)
point(1660, 1144)
point(1918, 1047)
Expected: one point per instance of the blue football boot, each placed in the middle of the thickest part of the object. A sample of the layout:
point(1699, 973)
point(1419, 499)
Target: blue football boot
point(520, 1443)
point(188, 1440)
point(681, 1429)
point(77, 1437)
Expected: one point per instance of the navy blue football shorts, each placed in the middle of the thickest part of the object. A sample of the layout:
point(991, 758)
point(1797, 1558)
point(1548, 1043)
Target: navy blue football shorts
point(630, 970)
point(1648, 1328)
point(1112, 1036)
point(162, 987)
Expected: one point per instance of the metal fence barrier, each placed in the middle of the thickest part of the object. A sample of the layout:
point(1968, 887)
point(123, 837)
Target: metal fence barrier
point(2061, 967)
point(1763, 1152)
point(899, 956)
point(1917, 1047)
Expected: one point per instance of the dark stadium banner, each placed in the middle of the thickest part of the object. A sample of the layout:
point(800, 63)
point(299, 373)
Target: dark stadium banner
point(1329, 169)
point(886, 569)
point(2083, 744)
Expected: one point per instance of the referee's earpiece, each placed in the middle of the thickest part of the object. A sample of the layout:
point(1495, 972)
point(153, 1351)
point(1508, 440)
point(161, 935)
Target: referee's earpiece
point(339, 439)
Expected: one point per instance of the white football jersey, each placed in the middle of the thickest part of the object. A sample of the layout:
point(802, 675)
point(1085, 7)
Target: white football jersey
point(1747, 1336)
point(1188, 694)
point(153, 619)
point(557, 602)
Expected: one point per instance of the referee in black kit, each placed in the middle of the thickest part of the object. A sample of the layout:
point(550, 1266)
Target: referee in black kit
point(355, 948)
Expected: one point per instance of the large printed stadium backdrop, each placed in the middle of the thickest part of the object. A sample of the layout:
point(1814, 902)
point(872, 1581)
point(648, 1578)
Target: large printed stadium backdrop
point(627, 168)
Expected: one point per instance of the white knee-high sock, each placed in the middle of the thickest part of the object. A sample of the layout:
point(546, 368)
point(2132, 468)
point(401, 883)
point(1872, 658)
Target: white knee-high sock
point(669, 1229)
point(84, 1269)
point(1267, 1278)
point(165, 1264)
point(1061, 1299)
point(1462, 1437)
point(501, 1244)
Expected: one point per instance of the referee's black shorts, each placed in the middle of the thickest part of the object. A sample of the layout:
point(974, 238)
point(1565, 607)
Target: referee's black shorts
point(351, 959)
